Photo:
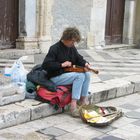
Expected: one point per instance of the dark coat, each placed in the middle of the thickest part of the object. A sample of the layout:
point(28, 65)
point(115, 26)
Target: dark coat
point(59, 53)
point(39, 77)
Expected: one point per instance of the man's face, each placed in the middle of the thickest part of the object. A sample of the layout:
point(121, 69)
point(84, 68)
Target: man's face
point(70, 43)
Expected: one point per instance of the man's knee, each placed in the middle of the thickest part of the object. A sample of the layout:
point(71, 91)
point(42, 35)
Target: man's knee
point(87, 75)
point(80, 76)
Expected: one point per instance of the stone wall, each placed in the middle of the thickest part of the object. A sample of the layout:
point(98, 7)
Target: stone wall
point(137, 24)
point(71, 13)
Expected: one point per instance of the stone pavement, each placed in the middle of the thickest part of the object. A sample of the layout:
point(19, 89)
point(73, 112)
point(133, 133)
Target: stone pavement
point(119, 76)
point(64, 127)
point(119, 72)
point(111, 63)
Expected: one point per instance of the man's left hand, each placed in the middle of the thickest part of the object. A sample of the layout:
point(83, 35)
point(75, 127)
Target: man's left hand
point(87, 65)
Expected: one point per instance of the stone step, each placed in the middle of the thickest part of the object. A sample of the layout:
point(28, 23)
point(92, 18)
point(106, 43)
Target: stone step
point(119, 69)
point(30, 109)
point(28, 66)
point(108, 64)
point(24, 111)
point(28, 62)
point(17, 53)
point(10, 93)
point(119, 46)
point(114, 88)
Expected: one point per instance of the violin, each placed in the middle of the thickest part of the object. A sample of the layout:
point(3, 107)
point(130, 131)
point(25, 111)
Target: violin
point(76, 68)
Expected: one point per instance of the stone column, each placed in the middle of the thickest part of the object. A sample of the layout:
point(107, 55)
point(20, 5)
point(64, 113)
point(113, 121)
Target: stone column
point(44, 24)
point(129, 22)
point(27, 25)
point(137, 24)
point(96, 36)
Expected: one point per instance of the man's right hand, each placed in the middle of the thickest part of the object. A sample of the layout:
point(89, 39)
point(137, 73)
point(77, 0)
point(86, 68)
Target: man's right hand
point(66, 64)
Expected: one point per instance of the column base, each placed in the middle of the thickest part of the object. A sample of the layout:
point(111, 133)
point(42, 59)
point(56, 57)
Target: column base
point(44, 44)
point(90, 40)
point(27, 43)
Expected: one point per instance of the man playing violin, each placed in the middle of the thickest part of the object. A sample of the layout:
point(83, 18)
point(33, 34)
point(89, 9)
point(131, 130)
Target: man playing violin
point(62, 55)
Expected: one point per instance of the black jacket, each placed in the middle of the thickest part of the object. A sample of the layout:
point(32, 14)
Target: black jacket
point(39, 77)
point(59, 53)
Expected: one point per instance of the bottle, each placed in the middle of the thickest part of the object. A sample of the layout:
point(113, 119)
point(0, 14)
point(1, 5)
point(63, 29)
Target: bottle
point(15, 74)
point(1, 73)
point(7, 71)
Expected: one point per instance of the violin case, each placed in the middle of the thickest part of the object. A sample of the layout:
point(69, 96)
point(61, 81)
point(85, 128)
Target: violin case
point(99, 116)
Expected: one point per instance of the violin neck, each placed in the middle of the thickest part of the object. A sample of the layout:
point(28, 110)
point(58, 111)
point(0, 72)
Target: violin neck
point(90, 69)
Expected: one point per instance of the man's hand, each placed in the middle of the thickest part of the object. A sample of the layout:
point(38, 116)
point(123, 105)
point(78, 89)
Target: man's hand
point(87, 65)
point(66, 64)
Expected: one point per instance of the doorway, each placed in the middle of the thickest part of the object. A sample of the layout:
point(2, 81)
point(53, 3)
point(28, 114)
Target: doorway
point(114, 21)
point(8, 23)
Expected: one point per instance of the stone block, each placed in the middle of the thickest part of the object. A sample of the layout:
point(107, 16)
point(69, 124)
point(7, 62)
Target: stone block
point(38, 109)
point(137, 87)
point(130, 88)
point(121, 91)
point(43, 110)
point(112, 93)
point(123, 87)
point(12, 99)
point(17, 53)
point(10, 93)
point(98, 96)
point(12, 115)
point(132, 78)
point(125, 90)
point(98, 87)
point(117, 82)
point(53, 131)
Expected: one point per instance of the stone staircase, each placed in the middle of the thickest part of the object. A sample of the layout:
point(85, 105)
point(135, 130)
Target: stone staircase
point(24, 111)
point(15, 109)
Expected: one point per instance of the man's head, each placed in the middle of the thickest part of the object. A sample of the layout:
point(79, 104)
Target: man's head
point(70, 36)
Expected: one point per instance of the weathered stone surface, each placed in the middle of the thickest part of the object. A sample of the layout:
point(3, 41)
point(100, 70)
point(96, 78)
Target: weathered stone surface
point(38, 109)
point(117, 82)
point(12, 115)
point(24, 111)
point(110, 89)
point(12, 53)
point(11, 99)
point(130, 88)
point(137, 87)
point(98, 87)
point(112, 93)
point(121, 91)
point(10, 93)
point(98, 96)
point(43, 110)
point(132, 78)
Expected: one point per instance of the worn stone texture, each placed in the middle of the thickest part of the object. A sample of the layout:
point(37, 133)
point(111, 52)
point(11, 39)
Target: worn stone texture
point(10, 93)
point(12, 115)
point(12, 54)
point(24, 111)
point(71, 13)
point(113, 88)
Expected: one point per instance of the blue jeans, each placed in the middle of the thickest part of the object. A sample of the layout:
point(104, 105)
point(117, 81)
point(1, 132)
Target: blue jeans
point(79, 81)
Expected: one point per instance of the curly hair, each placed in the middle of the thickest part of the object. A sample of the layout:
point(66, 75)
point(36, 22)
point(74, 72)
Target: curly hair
point(71, 33)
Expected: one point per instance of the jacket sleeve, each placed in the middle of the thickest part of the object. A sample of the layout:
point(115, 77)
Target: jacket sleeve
point(50, 63)
point(80, 60)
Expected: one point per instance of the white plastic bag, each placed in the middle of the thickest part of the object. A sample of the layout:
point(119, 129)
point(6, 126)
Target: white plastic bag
point(18, 72)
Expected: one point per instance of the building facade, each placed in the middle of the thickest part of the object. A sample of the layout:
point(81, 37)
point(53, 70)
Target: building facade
point(27, 24)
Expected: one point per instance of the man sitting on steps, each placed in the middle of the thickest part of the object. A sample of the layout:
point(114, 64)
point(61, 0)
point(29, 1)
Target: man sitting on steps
point(64, 54)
